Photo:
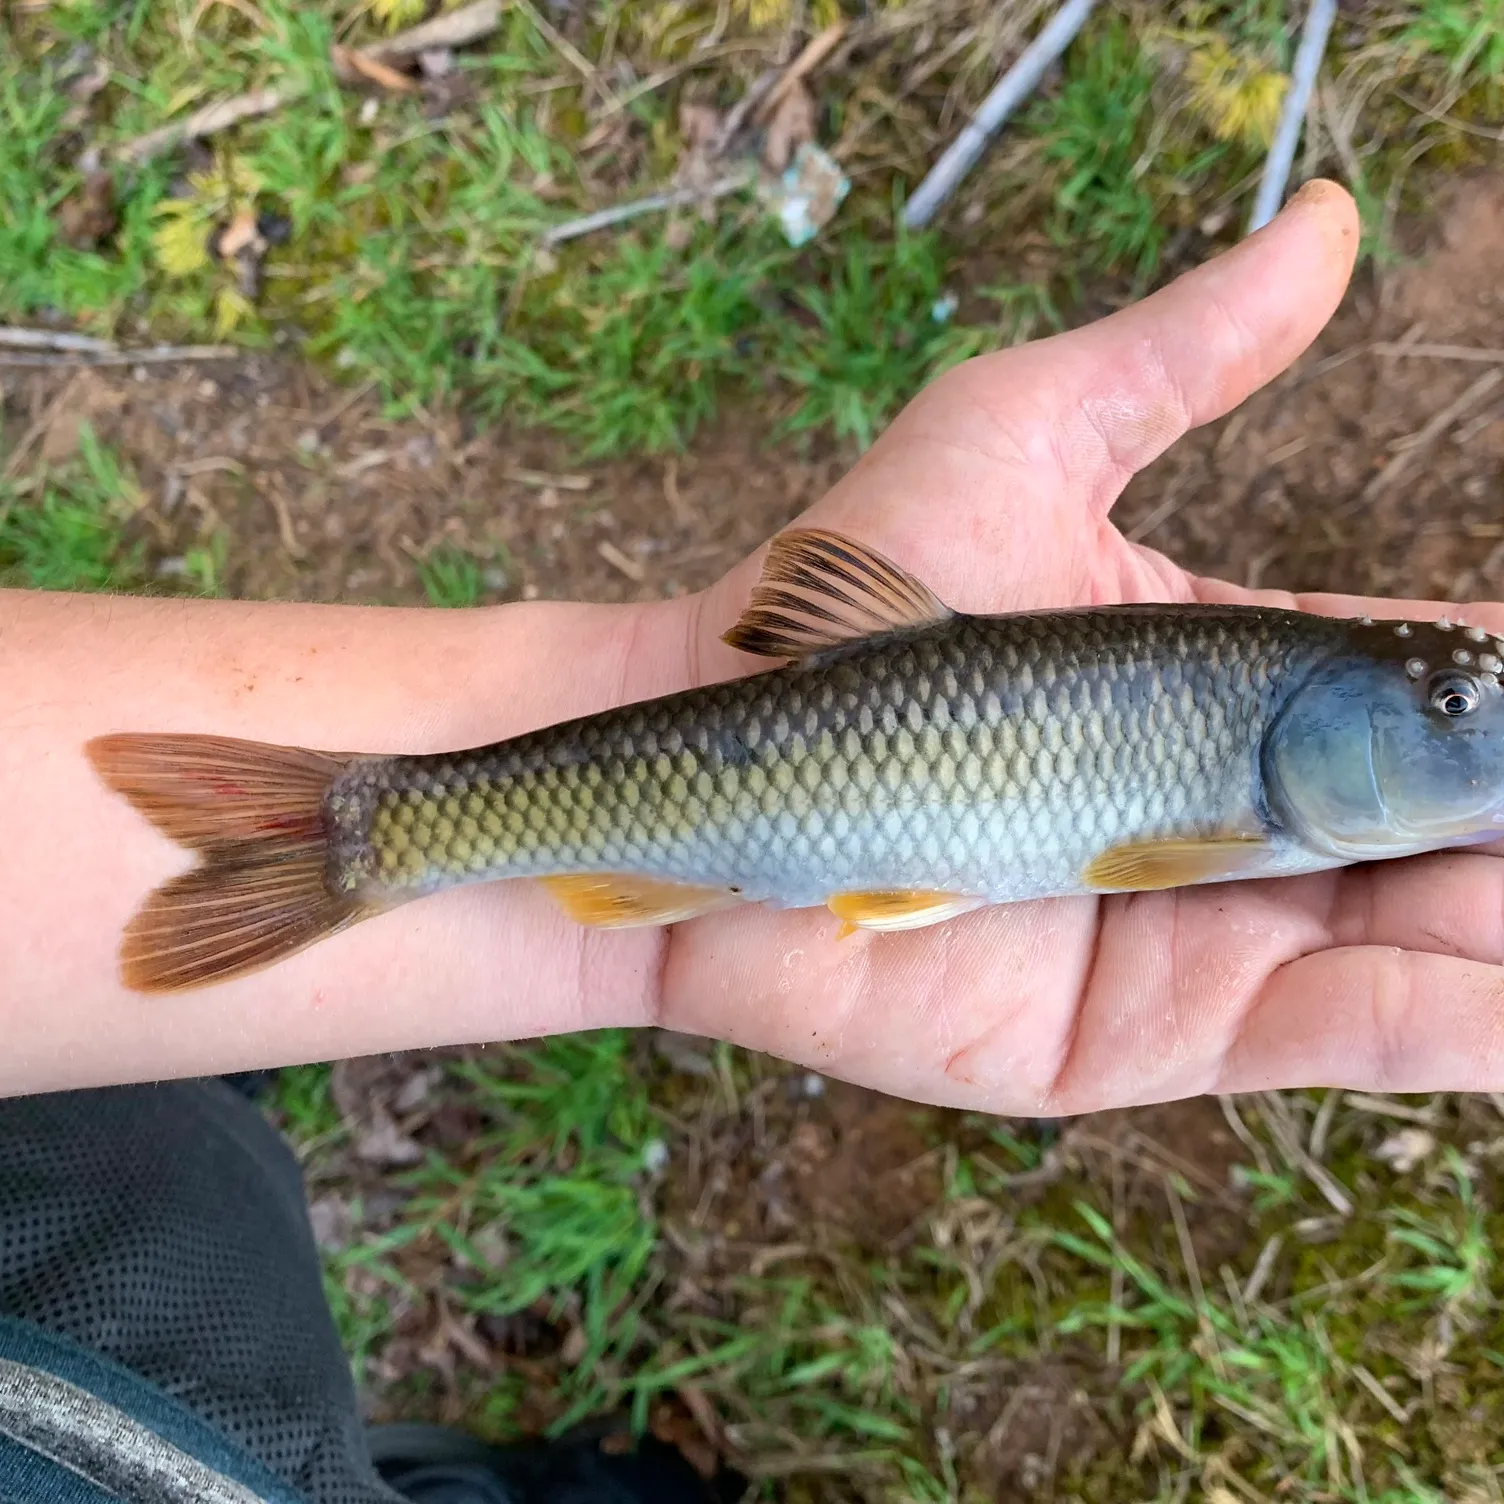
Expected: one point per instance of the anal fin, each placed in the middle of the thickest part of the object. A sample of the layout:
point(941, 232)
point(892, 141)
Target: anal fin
point(1149, 866)
point(617, 900)
point(898, 909)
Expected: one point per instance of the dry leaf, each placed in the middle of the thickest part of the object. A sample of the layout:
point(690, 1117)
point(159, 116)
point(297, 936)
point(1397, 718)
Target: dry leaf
point(87, 215)
point(791, 126)
point(347, 60)
point(333, 1222)
point(576, 1345)
point(87, 85)
point(381, 1142)
point(1404, 1150)
point(699, 125)
point(239, 235)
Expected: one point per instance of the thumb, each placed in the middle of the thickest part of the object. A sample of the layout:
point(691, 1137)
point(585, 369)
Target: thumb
point(1116, 394)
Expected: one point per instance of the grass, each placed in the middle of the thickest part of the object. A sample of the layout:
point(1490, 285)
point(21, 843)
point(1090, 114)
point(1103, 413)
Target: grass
point(414, 256)
point(71, 527)
point(1308, 1357)
point(451, 577)
point(63, 530)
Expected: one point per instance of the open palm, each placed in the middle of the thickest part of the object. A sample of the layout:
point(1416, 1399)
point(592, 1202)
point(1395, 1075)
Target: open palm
point(994, 487)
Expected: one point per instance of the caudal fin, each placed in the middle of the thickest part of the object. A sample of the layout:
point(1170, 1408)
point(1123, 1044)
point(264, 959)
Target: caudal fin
point(255, 812)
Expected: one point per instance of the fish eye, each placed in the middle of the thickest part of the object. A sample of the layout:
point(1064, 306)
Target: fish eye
point(1455, 694)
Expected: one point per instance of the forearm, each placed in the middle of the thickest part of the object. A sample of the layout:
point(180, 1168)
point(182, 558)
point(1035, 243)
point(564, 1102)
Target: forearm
point(493, 963)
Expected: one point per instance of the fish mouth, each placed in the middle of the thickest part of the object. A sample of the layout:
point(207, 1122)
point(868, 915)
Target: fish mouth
point(1474, 829)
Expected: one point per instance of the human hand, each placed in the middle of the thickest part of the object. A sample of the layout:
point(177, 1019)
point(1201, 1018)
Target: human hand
point(994, 488)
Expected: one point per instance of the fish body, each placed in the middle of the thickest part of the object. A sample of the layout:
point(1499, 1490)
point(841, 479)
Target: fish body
point(904, 764)
point(986, 756)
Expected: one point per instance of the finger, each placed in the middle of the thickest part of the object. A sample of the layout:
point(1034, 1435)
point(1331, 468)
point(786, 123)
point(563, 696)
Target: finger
point(1488, 614)
point(1450, 904)
point(1111, 397)
point(1374, 1019)
point(998, 458)
point(976, 1012)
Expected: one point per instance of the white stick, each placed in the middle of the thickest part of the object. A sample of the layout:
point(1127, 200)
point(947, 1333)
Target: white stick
point(1007, 94)
point(676, 198)
point(154, 355)
point(1281, 156)
point(46, 339)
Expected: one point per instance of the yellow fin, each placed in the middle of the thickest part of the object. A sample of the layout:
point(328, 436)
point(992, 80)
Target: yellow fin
point(898, 909)
point(615, 900)
point(1145, 866)
point(819, 589)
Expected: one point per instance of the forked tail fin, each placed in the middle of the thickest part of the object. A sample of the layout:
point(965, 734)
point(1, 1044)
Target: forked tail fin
point(256, 814)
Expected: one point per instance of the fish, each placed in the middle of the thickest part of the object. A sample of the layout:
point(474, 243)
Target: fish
point(898, 762)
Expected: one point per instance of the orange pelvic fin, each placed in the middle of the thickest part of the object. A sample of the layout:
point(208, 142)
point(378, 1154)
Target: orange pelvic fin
point(615, 900)
point(898, 909)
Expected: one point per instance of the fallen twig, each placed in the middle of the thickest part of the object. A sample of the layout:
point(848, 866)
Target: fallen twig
point(1434, 428)
point(351, 65)
point(455, 28)
point(1007, 94)
point(38, 430)
point(1281, 156)
point(815, 51)
point(47, 339)
point(1443, 352)
point(1277, 1119)
point(539, 479)
point(206, 122)
point(155, 356)
point(675, 198)
point(757, 103)
point(468, 24)
point(618, 560)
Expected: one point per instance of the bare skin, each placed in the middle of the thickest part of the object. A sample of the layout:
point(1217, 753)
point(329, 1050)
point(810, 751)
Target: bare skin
point(995, 487)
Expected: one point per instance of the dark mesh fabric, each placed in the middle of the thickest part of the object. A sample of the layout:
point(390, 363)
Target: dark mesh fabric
point(165, 1227)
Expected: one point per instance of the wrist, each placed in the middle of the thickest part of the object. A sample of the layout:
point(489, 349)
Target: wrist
point(492, 962)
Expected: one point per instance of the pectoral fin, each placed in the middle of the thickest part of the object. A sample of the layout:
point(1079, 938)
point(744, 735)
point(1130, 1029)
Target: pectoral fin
point(615, 900)
point(898, 909)
point(1146, 866)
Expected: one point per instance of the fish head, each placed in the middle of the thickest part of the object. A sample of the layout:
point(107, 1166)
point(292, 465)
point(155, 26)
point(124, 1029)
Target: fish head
point(1394, 743)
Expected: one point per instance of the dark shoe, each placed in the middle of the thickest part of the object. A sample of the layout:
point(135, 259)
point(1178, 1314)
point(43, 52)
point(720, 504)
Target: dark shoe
point(593, 1465)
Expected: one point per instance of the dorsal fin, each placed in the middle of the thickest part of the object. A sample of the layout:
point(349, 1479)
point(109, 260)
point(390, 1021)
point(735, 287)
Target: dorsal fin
point(819, 588)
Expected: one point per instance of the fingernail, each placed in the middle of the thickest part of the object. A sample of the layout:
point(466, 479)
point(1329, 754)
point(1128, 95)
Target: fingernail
point(1314, 191)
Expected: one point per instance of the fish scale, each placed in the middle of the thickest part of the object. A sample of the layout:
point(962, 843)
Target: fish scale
point(993, 755)
point(906, 763)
